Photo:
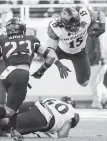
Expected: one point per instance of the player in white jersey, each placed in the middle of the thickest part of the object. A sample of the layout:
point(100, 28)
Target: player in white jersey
point(51, 116)
point(67, 34)
point(63, 113)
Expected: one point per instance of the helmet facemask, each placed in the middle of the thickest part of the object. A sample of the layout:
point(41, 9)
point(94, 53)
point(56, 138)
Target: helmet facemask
point(15, 27)
point(69, 100)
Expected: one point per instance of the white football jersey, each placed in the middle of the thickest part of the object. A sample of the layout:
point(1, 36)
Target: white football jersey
point(73, 42)
point(62, 112)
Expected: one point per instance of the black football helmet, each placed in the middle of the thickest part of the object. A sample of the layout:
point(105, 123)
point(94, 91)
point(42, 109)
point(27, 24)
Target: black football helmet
point(15, 27)
point(69, 100)
point(70, 19)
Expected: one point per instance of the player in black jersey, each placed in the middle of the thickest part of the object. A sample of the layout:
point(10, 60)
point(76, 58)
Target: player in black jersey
point(17, 51)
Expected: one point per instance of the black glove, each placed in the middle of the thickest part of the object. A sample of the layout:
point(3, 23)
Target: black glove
point(37, 74)
point(99, 31)
point(63, 70)
point(96, 34)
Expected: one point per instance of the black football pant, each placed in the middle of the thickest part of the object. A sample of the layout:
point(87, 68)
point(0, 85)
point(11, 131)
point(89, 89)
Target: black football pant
point(16, 88)
point(30, 119)
point(80, 62)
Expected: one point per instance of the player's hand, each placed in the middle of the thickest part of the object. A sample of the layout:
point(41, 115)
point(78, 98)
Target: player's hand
point(96, 29)
point(97, 33)
point(37, 74)
point(63, 70)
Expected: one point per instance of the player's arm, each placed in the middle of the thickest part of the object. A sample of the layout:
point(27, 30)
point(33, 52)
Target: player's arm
point(50, 56)
point(52, 44)
point(53, 39)
point(98, 16)
point(64, 131)
point(49, 59)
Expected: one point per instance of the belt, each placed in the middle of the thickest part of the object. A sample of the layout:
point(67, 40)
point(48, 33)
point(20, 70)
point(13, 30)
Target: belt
point(23, 66)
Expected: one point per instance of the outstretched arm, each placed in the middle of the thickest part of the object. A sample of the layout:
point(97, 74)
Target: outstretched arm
point(49, 57)
point(52, 44)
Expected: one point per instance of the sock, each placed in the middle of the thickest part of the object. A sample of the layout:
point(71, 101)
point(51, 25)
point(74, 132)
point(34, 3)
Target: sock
point(12, 122)
point(2, 112)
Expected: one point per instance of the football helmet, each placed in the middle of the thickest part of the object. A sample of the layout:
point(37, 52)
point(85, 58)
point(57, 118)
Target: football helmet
point(70, 19)
point(15, 26)
point(69, 100)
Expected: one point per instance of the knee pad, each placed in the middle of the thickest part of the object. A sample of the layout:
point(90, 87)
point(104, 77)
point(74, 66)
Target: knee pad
point(85, 83)
point(9, 112)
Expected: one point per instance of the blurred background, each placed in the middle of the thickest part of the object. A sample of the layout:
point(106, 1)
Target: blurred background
point(37, 14)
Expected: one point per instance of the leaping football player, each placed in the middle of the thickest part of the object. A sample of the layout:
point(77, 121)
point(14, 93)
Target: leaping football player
point(67, 35)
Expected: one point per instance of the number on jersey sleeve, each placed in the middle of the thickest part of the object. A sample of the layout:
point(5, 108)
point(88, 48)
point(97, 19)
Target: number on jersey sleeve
point(51, 33)
point(83, 13)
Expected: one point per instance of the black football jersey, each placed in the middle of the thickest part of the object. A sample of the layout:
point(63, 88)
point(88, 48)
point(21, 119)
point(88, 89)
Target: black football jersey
point(19, 49)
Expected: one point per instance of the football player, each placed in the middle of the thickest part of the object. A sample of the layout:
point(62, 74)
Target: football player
point(17, 50)
point(67, 35)
point(51, 116)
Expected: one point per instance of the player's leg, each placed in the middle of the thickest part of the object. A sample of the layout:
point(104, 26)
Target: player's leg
point(16, 86)
point(26, 106)
point(61, 54)
point(82, 67)
point(32, 121)
point(17, 90)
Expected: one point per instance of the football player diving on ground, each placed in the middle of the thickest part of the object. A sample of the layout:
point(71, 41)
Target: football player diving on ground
point(17, 50)
point(51, 116)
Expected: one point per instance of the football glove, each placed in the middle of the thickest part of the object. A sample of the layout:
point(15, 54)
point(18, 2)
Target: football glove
point(97, 33)
point(63, 70)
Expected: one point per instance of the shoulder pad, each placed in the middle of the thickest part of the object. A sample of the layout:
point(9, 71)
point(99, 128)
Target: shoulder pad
point(85, 15)
point(51, 32)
